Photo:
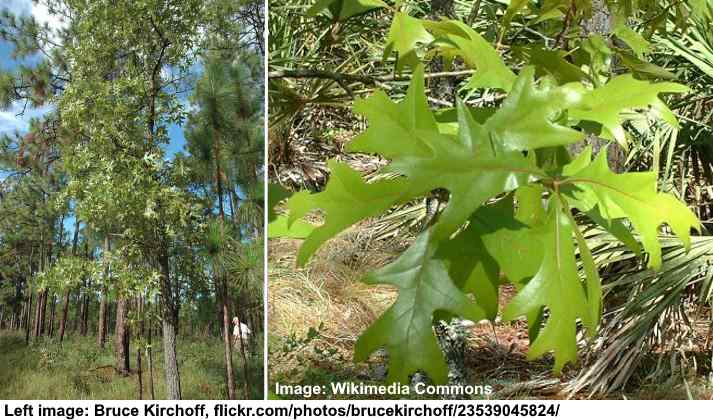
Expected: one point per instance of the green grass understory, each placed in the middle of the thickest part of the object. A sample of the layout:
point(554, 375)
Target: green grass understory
point(79, 369)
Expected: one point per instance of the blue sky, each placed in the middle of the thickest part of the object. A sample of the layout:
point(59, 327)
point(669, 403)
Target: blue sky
point(9, 119)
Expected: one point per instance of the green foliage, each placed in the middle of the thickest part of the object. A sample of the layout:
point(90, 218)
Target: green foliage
point(632, 196)
point(405, 328)
point(456, 39)
point(605, 104)
point(557, 286)
point(280, 227)
point(68, 271)
point(347, 200)
point(114, 76)
point(513, 188)
point(344, 9)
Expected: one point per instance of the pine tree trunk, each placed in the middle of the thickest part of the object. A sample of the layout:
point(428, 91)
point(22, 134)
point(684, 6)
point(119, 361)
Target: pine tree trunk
point(43, 313)
point(170, 329)
point(28, 310)
point(101, 334)
point(222, 283)
point(78, 313)
point(36, 315)
point(53, 308)
point(122, 337)
point(245, 362)
point(37, 325)
point(139, 375)
point(142, 322)
point(65, 312)
point(228, 353)
point(149, 355)
point(84, 324)
point(65, 299)
point(103, 305)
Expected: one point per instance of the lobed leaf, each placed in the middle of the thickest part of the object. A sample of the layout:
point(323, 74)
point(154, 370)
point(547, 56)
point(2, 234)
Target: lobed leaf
point(275, 194)
point(605, 105)
point(592, 185)
point(473, 167)
point(455, 38)
point(480, 256)
point(406, 328)
point(557, 287)
point(346, 200)
point(280, 228)
point(344, 9)
point(393, 125)
point(527, 119)
point(406, 35)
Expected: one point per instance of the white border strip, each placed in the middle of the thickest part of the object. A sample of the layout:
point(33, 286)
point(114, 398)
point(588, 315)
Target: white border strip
point(265, 203)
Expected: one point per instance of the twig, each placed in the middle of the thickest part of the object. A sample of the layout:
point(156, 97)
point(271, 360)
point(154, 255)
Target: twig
point(350, 78)
point(473, 13)
point(565, 26)
point(440, 102)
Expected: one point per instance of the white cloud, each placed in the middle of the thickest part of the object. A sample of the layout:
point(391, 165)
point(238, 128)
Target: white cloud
point(38, 10)
point(42, 15)
point(10, 120)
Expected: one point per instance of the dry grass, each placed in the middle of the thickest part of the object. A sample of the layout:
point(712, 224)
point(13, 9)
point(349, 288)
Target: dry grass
point(328, 290)
point(326, 295)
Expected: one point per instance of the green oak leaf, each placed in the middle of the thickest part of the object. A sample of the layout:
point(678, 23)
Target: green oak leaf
point(447, 118)
point(641, 68)
point(515, 7)
point(472, 268)
point(280, 228)
point(617, 228)
point(605, 105)
point(275, 194)
point(455, 38)
point(345, 9)
point(638, 44)
point(593, 284)
point(480, 256)
point(597, 48)
point(406, 328)
point(529, 204)
point(346, 200)
point(473, 167)
point(633, 195)
point(392, 125)
point(551, 62)
point(552, 10)
point(527, 118)
point(507, 237)
point(557, 287)
point(406, 35)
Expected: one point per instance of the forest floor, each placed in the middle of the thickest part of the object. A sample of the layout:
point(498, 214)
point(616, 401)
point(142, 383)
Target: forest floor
point(316, 314)
point(79, 369)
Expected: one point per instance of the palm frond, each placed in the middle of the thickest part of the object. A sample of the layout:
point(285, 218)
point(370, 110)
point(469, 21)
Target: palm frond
point(648, 312)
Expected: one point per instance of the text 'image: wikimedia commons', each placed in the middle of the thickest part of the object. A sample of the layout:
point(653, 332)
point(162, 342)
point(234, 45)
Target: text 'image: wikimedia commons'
point(131, 199)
